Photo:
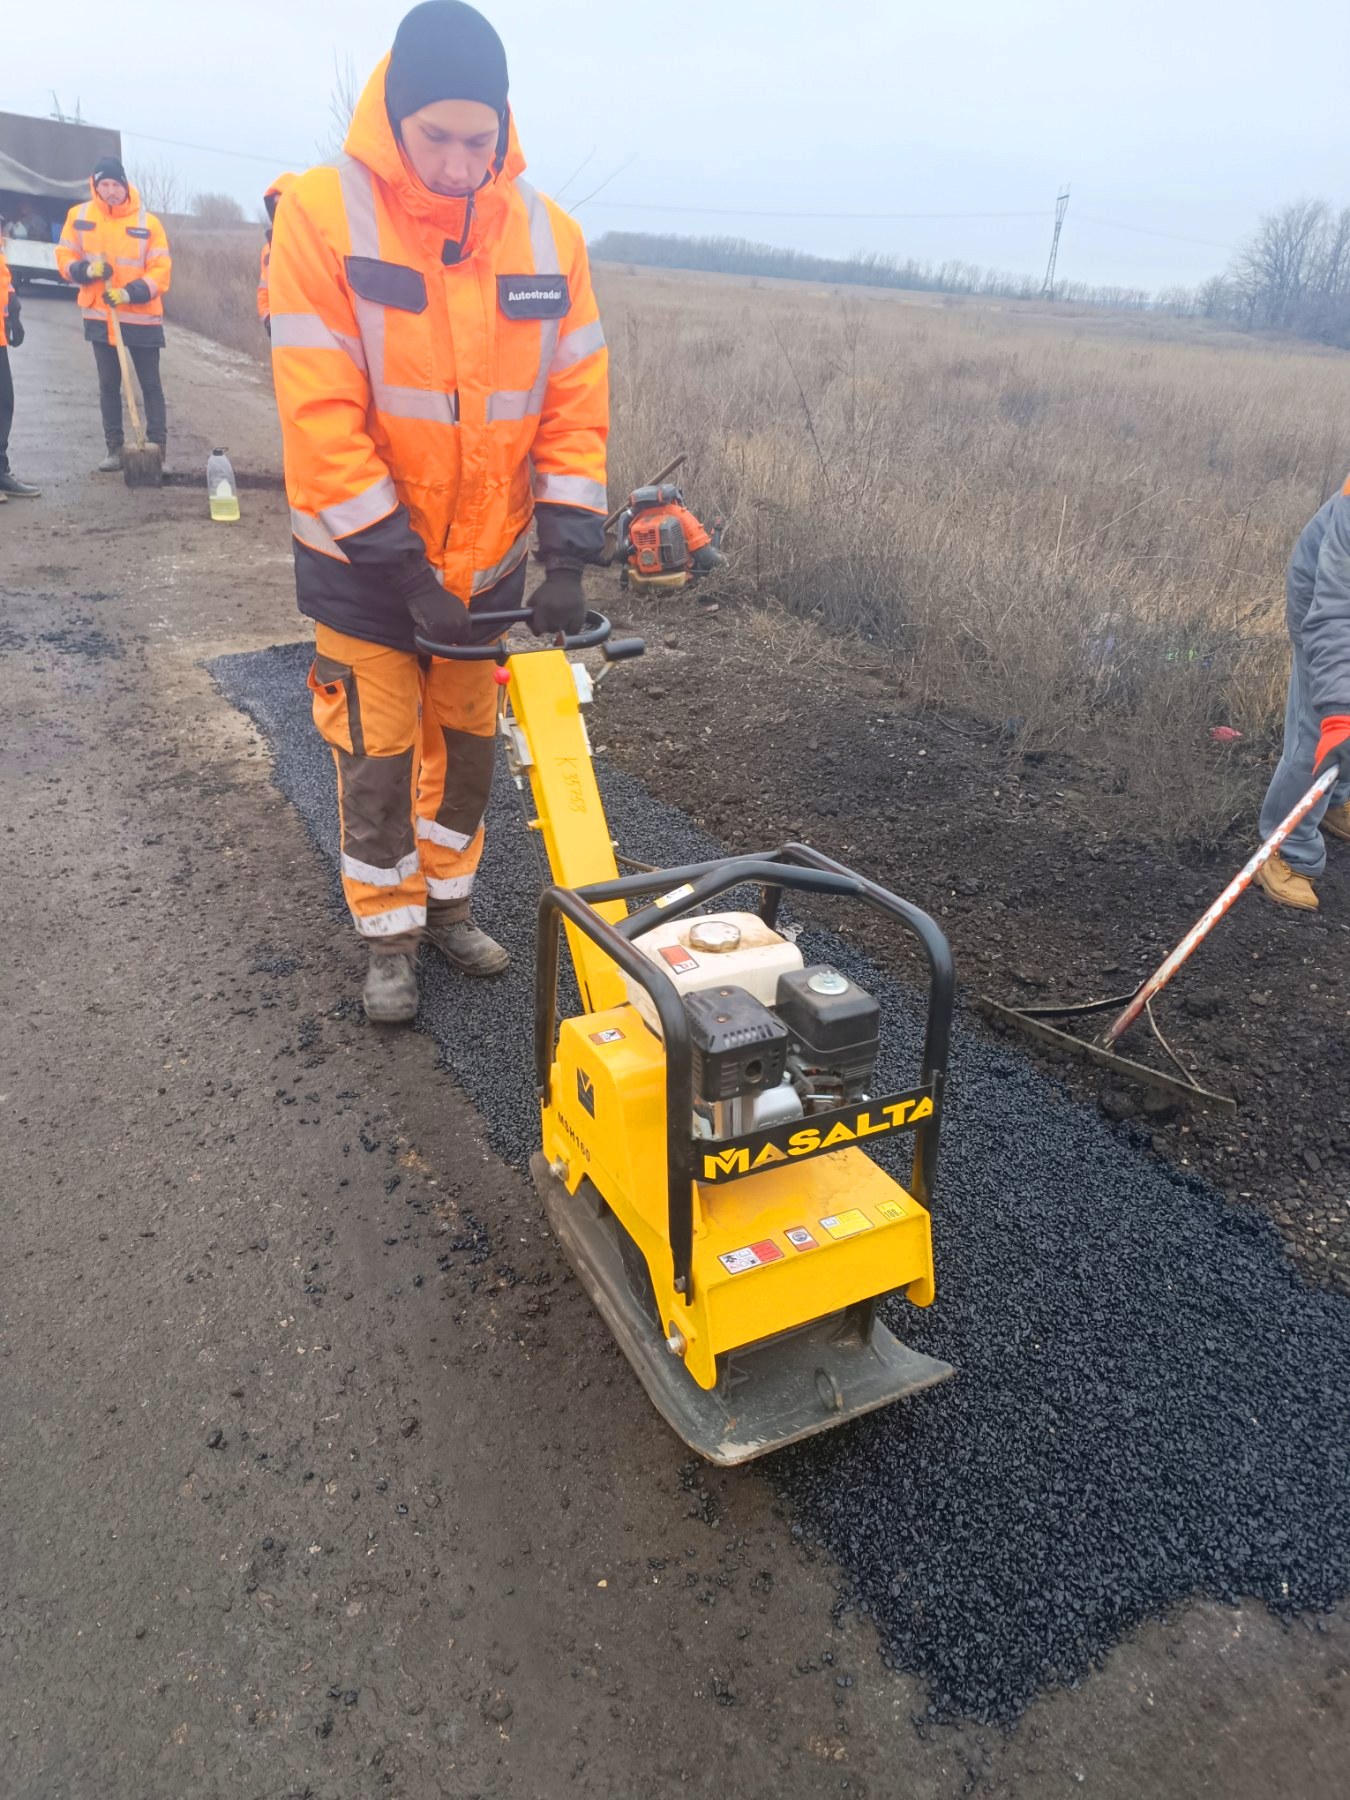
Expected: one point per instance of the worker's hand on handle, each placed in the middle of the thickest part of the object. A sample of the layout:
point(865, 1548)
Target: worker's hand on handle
point(99, 268)
point(439, 617)
point(1332, 746)
point(115, 296)
point(558, 604)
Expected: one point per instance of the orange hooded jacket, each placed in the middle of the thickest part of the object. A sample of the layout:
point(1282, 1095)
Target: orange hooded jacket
point(133, 241)
point(270, 201)
point(442, 380)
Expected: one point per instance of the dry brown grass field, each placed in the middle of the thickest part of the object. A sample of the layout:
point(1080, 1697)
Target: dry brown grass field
point(1073, 526)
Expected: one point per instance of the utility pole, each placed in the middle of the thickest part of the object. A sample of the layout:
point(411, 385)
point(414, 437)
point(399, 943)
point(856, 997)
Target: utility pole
point(1061, 207)
point(63, 117)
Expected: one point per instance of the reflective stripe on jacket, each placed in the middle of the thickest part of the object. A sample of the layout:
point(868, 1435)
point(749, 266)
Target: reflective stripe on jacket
point(133, 241)
point(6, 293)
point(441, 376)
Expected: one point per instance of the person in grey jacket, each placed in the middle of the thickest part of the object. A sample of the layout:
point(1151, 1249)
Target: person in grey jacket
point(1317, 716)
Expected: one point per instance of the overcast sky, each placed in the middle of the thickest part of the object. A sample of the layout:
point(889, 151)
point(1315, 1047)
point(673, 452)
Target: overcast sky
point(1182, 116)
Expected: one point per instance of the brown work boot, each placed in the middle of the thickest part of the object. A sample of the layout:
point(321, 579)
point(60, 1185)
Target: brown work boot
point(1285, 886)
point(390, 994)
point(1336, 820)
point(463, 945)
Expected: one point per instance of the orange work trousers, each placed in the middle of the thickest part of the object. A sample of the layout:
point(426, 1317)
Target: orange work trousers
point(414, 748)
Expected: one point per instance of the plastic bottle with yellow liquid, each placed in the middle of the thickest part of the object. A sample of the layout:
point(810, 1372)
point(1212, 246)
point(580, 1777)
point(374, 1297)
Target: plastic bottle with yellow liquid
point(220, 487)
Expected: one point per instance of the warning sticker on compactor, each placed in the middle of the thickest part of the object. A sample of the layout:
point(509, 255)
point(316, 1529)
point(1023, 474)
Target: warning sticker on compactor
point(846, 1224)
point(753, 1256)
point(800, 1238)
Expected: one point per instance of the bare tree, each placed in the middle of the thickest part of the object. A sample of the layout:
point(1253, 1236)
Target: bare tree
point(1294, 273)
point(159, 186)
point(342, 99)
point(217, 209)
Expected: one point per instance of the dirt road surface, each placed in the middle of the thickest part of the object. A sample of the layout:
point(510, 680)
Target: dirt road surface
point(318, 1475)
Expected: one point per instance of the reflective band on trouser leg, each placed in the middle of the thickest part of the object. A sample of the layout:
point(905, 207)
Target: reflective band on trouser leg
point(381, 870)
point(459, 720)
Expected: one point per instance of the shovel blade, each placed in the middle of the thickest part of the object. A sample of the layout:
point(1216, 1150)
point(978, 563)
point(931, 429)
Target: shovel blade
point(143, 465)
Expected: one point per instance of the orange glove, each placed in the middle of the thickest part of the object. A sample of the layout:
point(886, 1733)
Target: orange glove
point(1331, 746)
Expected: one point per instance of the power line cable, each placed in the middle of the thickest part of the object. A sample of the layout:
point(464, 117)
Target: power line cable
point(1150, 231)
point(605, 183)
point(572, 177)
point(218, 150)
point(762, 212)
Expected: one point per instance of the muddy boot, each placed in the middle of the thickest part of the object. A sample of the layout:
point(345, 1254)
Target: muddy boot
point(390, 994)
point(1336, 820)
point(111, 464)
point(1285, 886)
point(463, 945)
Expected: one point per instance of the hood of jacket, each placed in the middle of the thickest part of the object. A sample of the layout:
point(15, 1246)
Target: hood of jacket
point(371, 141)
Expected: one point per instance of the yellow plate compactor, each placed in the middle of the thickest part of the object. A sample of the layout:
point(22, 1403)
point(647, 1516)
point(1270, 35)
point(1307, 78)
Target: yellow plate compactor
point(706, 1114)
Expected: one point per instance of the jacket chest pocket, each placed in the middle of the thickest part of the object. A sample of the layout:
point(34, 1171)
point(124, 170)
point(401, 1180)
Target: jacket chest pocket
point(530, 309)
point(411, 369)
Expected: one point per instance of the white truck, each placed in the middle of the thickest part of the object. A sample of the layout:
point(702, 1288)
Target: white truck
point(45, 166)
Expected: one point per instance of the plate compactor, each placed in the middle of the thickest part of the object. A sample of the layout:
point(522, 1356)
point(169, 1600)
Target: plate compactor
point(705, 1115)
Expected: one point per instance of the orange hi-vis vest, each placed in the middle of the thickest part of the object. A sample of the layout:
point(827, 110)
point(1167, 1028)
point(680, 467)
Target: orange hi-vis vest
point(441, 376)
point(133, 241)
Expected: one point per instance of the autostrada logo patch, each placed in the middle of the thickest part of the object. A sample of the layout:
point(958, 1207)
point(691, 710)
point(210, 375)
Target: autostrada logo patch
point(784, 1143)
point(534, 296)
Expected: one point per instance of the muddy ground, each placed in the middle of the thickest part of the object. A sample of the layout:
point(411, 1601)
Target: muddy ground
point(318, 1475)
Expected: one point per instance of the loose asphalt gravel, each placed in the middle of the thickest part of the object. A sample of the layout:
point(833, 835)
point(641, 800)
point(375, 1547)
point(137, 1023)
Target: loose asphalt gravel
point(1150, 1404)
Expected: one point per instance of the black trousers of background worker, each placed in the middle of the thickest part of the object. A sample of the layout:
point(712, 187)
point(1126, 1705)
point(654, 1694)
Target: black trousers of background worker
point(146, 364)
point(6, 409)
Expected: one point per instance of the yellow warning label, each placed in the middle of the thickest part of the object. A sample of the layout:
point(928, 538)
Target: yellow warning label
point(890, 1209)
point(846, 1224)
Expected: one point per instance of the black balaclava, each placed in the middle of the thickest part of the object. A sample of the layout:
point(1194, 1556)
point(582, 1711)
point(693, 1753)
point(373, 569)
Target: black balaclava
point(108, 168)
point(444, 50)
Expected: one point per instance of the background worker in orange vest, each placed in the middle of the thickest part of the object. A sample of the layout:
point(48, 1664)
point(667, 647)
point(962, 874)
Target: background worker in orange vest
point(11, 336)
point(442, 381)
point(270, 199)
point(117, 254)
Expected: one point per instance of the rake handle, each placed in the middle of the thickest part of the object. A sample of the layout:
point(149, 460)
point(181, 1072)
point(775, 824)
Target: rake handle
point(1198, 932)
point(128, 384)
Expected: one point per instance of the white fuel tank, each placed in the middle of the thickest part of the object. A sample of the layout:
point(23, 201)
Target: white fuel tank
point(732, 949)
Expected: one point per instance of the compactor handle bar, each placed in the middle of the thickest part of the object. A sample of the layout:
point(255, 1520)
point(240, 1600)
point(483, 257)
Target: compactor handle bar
point(595, 631)
point(797, 868)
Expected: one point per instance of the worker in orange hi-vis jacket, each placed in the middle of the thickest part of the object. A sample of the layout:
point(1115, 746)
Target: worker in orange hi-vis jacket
point(270, 199)
point(442, 381)
point(11, 336)
point(116, 253)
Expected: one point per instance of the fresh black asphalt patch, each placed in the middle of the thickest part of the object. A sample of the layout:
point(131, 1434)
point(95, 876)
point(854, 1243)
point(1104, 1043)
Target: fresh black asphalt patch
point(1150, 1406)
